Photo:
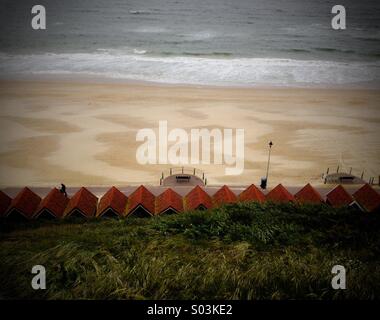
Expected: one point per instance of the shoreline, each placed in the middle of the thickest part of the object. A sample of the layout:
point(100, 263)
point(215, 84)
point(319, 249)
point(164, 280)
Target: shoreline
point(99, 79)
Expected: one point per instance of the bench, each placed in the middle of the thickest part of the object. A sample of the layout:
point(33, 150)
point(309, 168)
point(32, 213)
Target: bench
point(183, 178)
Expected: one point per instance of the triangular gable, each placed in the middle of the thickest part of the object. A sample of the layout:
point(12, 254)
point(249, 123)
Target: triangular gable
point(83, 202)
point(55, 203)
point(339, 197)
point(112, 201)
point(368, 198)
point(197, 198)
point(25, 203)
point(224, 195)
point(308, 195)
point(141, 198)
point(279, 194)
point(169, 199)
point(252, 193)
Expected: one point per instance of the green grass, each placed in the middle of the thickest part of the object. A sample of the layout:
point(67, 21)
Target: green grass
point(242, 251)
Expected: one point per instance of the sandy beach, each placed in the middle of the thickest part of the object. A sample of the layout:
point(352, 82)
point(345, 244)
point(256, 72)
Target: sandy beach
point(84, 133)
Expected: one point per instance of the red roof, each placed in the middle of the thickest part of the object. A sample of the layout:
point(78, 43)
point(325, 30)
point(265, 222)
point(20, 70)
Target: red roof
point(224, 195)
point(29, 204)
point(279, 194)
point(308, 195)
point(83, 201)
point(368, 198)
point(55, 203)
point(339, 197)
point(26, 203)
point(141, 197)
point(113, 200)
point(169, 199)
point(252, 193)
point(197, 198)
point(5, 202)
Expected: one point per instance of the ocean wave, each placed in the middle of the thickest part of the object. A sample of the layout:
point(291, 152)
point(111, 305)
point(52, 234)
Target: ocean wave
point(375, 38)
point(194, 70)
point(205, 54)
point(200, 36)
point(323, 49)
point(296, 50)
point(140, 12)
point(138, 51)
point(150, 29)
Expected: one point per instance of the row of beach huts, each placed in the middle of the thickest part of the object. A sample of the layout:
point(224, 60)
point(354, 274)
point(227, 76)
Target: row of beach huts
point(142, 202)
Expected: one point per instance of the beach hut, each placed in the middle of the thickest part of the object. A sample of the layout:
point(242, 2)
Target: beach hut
point(82, 204)
point(141, 203)
point(5, 202)
point(339, 197)
point(279, 194)
point(308, 195)
point(52, 206)
point(24, 205)
point(252, 193)
point(169, 201)
point(224, 195)
point(368, 198)
point(197, 198)
point(113, 203)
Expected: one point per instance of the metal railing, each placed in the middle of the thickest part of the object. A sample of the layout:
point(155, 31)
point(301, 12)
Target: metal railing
point(362, 175)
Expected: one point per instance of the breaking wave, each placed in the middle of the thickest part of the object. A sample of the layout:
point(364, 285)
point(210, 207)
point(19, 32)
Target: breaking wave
point(190, 69)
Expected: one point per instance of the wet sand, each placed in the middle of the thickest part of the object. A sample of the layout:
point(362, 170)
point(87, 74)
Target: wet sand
point(84, 133)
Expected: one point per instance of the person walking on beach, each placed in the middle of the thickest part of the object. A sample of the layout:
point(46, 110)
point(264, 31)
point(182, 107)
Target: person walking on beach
point(63, 189)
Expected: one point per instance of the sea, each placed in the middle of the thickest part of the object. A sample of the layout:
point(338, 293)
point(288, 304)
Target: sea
point(195, 42)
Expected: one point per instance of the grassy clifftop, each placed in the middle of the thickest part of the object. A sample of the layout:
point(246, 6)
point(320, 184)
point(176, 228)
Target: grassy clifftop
point(242, 251)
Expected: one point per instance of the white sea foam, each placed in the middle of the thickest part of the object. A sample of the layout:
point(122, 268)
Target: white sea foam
point(149, 29)
point(199, 36)
point(194, 70)
point(137, 51)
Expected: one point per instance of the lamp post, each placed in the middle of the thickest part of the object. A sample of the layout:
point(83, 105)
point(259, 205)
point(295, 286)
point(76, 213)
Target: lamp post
point(264, 181)
point(270, 148)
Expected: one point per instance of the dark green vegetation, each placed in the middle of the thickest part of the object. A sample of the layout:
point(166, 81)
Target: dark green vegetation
point(242, 251)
